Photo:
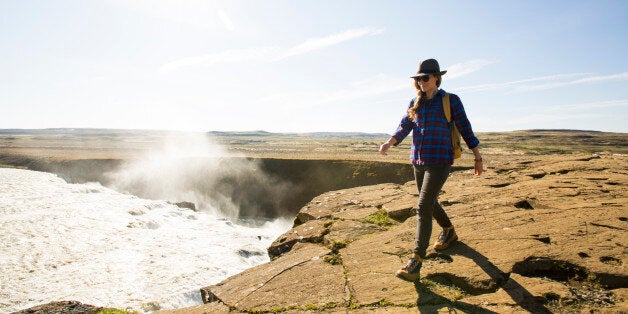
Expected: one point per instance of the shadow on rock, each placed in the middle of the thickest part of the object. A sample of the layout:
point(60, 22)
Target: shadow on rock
point(518, 293)
point(430, 302)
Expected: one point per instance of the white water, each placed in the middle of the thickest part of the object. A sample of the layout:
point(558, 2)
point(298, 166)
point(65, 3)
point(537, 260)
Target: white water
point(85, 242)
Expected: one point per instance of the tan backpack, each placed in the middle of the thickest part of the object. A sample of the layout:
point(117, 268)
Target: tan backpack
point(455, 135)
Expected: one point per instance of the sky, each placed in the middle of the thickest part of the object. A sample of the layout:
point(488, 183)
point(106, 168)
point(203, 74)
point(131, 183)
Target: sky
point(309, 66)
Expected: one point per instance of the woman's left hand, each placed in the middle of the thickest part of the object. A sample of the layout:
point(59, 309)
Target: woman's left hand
point(478, 167)
point(477, 157)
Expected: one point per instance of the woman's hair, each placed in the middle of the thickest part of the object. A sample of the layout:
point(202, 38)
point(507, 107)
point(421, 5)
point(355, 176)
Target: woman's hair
point(419, 97)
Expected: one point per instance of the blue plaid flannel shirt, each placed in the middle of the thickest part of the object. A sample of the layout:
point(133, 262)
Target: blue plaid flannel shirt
point(431, 137)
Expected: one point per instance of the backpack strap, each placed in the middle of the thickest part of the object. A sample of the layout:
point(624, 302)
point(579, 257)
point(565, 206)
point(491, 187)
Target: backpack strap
point(447, 107)
point(455, 134)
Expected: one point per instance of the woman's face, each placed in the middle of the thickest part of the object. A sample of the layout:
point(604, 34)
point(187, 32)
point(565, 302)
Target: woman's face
point(429, 85)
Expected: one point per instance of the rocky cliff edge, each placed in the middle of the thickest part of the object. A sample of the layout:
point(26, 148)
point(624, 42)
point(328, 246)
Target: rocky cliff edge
point(537, 234)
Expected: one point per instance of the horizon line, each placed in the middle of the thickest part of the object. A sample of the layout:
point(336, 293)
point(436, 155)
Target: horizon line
point(6, 130)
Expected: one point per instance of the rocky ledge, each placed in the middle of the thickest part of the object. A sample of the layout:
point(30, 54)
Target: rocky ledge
point(537, 234)
point(62, 307)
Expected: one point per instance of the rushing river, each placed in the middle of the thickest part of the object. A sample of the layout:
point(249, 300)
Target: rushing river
point(85, 242)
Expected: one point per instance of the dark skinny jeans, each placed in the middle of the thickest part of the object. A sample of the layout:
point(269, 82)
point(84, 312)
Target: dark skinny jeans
point(429, 181)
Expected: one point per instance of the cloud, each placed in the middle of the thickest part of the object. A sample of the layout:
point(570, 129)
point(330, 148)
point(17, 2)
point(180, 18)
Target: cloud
point(269, 54)
point(368, 88)
point(552, 114)
point(533, 120)
point(228, 56)
point(547, 82)
point(377, 85)
point(585, 80)
point(334, 39)
point(494, 86)
point(468, 67)
point(224, 18)
point(592, 105)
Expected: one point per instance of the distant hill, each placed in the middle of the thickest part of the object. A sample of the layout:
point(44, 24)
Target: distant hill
point(80, 131)
point(259, 133)
point(240, 133)
point(562, 130)
point(311, 134)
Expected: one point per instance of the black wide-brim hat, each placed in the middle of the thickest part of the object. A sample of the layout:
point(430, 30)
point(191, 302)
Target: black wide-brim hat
point(427, 67)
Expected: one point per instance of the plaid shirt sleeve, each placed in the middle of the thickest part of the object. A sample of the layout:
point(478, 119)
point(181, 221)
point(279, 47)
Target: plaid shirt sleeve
point(462, 123)
point(404, 128)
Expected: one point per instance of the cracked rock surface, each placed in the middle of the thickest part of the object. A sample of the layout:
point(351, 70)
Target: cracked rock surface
point(537, 234)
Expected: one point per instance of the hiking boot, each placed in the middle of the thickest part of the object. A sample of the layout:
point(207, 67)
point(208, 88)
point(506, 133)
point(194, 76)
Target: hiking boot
point(446, 238)
point(412, 271)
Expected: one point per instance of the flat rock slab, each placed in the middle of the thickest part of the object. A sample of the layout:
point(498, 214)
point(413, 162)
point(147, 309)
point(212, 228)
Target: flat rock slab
point(371, 263)
point(541, 234)
point(301, 277)
point(324, 205)
point(345, 231)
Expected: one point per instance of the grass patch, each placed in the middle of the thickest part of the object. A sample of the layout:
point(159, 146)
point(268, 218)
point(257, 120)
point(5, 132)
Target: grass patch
point(379, 218)
point(336, 245)
point(353, 305)
point(306, 307)
point(112, 311)
point(12, 166)
point(449, 292)
point(333, 258)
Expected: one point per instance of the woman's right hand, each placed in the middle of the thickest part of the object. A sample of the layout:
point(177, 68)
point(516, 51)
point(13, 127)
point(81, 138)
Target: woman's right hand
point(384, 148)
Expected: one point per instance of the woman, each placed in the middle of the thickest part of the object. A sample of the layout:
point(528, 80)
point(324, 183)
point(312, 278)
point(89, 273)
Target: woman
point(432, 156)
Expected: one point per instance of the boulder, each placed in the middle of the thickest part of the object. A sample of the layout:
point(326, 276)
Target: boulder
point(188, 205)
point(312, 231)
